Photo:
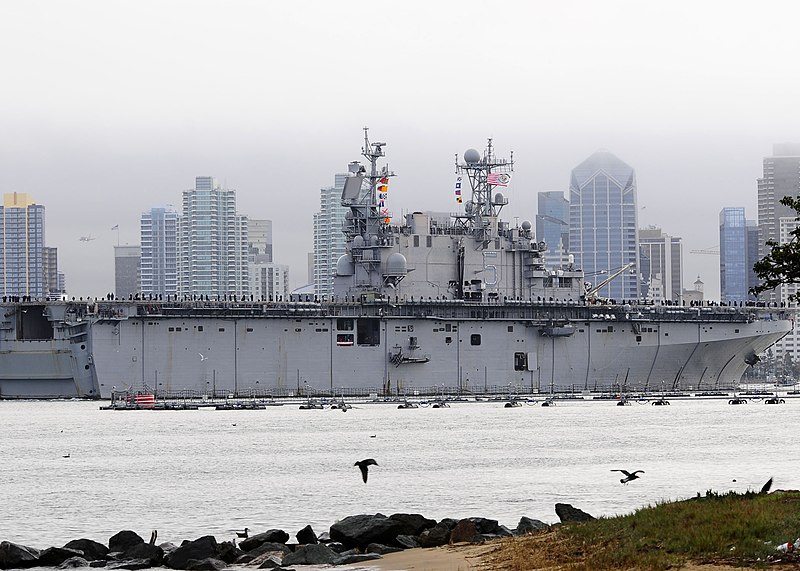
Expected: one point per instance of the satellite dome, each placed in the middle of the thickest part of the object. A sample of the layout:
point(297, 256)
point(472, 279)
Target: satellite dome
point(396, 265)
point(358, 242)
point(472, 156)
point(345, 266)
point(526, 225)
point(373, 240)
point(468, 207)
point(348, 215)
point(499, 198)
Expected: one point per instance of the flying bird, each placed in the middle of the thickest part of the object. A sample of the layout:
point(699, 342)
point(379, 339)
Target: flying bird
point(243, 534)
point(364, 465)
point(202, 357)
point(629, 475)
point(765, 488)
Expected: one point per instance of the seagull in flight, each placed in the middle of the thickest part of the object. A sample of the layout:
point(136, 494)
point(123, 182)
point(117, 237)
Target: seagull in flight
point(202, 357)
point(364, 465)
point(766, 487)
point(629, 475)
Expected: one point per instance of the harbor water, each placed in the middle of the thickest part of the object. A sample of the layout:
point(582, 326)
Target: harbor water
point(199, 472)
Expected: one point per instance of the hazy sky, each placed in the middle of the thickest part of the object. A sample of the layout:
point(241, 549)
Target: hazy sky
point(108, 108)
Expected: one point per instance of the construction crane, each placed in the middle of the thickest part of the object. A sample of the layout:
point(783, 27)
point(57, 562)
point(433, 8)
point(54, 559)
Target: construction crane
point(713, 251)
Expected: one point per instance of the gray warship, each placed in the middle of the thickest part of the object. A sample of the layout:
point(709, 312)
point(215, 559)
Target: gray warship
point(463, 304)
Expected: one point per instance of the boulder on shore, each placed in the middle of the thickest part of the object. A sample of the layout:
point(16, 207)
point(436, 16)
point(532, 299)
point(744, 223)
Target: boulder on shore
point(567, 513)
point(123, 541)
point(306, 536)
point(199, 549)
point(13, 556)
point(528, 525)
point(55, 556)
point(92, 550)
point(413, 524)
point(311, 555)
point(361, 530)
point(269, 536)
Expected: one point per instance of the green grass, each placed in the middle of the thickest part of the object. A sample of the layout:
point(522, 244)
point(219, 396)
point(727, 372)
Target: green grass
point(739, 529)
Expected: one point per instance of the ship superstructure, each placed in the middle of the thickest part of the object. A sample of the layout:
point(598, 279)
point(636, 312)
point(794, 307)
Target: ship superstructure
point(460, 304)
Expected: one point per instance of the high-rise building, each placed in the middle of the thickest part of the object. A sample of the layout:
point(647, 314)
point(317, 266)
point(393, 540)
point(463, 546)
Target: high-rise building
point(259, 240)
point(127, 261)
point(212, 240)
point(787, 349)
point(736, 252)
point(269, 281)
point(53, 286)
point(661, 261)
point(329, 240)
point(603, 223)
point(22, 246)
point(158, 269)
point(552, 227)
point(781, 177)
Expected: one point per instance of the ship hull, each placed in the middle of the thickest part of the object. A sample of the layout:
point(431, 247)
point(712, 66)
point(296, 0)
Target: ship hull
point(386, 349)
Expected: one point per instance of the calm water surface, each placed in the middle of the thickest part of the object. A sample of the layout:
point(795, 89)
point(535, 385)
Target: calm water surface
point(193, 473)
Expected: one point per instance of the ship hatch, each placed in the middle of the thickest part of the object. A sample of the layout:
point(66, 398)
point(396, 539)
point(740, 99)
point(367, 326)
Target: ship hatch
point(369, 331)
point(32, 323)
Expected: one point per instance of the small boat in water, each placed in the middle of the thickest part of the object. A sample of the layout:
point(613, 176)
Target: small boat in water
point(774, 400)
point(660, 402)
point(737, 400)
point(549, 402)
point(512, 403)
point(407, 404)
point(311, 404)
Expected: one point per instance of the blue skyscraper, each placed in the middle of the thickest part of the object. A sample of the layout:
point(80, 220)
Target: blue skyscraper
point(603, 223)
point(737, 254)
point(552, 226)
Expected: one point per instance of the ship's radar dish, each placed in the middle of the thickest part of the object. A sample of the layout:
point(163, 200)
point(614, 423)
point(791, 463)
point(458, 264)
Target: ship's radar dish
point(396, 265)
point(500, 199)
point(526, 225)
point(345, 266)
point(472, 156)
point(468, 208)
point(358, 242)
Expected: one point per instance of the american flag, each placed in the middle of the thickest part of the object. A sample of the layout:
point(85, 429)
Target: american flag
point(498, 179)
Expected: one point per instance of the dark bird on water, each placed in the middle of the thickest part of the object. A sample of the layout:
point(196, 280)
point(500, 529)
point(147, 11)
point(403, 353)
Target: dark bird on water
point(629, 475)
point(66, 455)
point(765, 488)
point(153, 536)
point(243, 534)
point(364, 465)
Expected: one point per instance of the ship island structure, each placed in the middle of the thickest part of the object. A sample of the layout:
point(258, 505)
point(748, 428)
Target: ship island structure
point(464, 305)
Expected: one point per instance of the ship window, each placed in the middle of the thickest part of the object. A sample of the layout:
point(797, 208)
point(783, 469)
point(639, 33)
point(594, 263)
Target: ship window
point(222, 329)
point(610, 329)
point(249, 329)
point(735, 331)
point(510, 328)
point(86, 367)
point(411, 328)
point(368, 331)
point(447, 327)
point(298, 330)
point(178, 329)
point(475, 339)
point(344, 339)
point(344, 324)
point(199, 327)
point(520, 361)
point(416, 241)
point(666, 334)
point(448, 340)
point(429, 241)
point(172, 329)
point(638, 338)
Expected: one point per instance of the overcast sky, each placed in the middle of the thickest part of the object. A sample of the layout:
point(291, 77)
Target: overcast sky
point(108, 108)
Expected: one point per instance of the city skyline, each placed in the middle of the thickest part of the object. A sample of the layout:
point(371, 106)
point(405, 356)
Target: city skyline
point(691, 99)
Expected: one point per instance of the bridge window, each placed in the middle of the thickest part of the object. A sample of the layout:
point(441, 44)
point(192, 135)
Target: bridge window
point(475, 339)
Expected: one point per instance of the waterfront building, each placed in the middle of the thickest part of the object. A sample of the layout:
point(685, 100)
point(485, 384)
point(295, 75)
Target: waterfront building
point(259, 240)
point(159, 252)
point(695, 295)
point(329, 240)
point(22, 246)
point(212, 242)
point(552, 227)
point(127, 261)
point(661, 259)
point(269, 280)
point(787, 350)
point(781, 177)
point(736, 255)
point(603, 223)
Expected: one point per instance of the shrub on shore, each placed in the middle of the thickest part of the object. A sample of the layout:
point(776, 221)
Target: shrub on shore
point(738, 529)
